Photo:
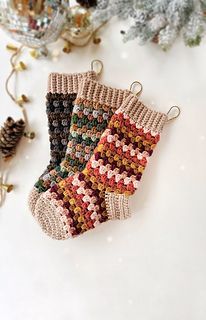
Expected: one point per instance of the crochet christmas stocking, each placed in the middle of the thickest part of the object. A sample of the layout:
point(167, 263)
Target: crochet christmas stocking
point(62, 91)
point(100, 192)
point(93, 108)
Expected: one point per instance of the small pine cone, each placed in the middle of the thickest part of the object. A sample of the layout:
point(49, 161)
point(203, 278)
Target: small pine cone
point(10, 135)
point(87, 3)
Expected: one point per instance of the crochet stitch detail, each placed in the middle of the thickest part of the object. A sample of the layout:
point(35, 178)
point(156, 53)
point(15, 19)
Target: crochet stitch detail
point(117, 206)
point(67, 83)
point(90, 116)
point(59, 104)
point(100, 192)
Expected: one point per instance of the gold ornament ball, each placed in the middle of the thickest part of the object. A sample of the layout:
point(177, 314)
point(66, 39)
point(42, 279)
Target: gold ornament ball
point(79, 26)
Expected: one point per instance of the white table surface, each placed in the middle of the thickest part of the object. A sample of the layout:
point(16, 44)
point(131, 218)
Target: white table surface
point(150, 267)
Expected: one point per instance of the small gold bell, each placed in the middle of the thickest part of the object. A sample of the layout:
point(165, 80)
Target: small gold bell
point(22, 99)
point(29, 135)
point(34, 53)
point(7, 187)
point(11, 47)
point(20, 66)
point(96, 40)
point(67, 48)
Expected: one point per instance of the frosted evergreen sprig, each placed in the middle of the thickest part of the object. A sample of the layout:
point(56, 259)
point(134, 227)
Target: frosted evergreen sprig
point(160, 21)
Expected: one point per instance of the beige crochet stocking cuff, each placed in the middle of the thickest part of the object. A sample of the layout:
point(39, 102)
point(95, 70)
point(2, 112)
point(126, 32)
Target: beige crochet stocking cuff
point(97, 94)
point(67, 83)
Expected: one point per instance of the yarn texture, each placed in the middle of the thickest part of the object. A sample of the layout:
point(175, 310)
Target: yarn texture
point(62, 91)
point(100, 192)
point(93, 108)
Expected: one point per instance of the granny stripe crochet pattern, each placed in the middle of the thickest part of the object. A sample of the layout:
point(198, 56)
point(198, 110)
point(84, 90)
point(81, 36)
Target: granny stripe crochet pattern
point(59, 109)
point(100, 192)
point(93, 108)
point(62, 91)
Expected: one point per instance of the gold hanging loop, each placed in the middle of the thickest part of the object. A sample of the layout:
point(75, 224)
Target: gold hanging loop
point(138, 85)
point(173, 113)
point(97, 66)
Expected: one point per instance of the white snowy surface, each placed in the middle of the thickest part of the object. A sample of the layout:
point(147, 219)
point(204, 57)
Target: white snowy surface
point(149, 267)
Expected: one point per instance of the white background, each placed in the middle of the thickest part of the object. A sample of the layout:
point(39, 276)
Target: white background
point(150, 267)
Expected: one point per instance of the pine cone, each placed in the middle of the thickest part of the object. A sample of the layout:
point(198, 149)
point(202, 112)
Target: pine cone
point(10, 135)
point(87, 3)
